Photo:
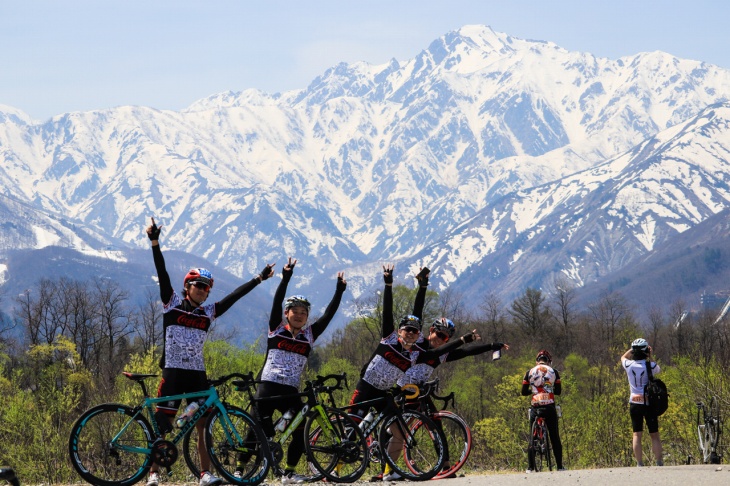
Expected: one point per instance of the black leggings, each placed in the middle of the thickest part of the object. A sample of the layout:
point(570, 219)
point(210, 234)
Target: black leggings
point(550, 415)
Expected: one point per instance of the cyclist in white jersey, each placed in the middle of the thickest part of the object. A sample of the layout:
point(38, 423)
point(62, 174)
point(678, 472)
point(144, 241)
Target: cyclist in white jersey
point(634, 362)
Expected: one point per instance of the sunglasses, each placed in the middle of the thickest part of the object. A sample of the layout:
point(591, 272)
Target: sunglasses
point(201, 286)
point(441, 335)
point(412, 330)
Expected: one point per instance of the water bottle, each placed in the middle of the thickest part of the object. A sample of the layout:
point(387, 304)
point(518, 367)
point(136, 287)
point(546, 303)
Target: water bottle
point(367, 421)
point(558, 410)
point(185, 416)
point(284, 420)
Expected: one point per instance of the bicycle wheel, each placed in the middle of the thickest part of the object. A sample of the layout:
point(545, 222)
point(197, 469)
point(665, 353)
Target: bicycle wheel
point(715, 429)
point(421, 456)
point(457, 445)
point(110, 445)
point(190, 453)
point(241, 453)
point(538, 437)
point(548, 448)
point(338, 451)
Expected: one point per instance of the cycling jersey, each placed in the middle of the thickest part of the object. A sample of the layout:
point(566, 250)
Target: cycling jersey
point(543, 382)
point(638, 377)
point(286, 354)
point(186, 326)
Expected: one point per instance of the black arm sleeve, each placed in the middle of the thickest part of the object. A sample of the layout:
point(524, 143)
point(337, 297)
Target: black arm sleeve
point(526, 385)
point(321, 324)
point(472, 351)
point(388, 325)
point(446, 348)
point(162, 276)
point(277, 311)
point(419, 303)
point(558, 387)
point(230, 299)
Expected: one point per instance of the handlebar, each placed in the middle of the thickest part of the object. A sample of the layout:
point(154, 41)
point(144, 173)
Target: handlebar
point(244, 378)
point(319, 386)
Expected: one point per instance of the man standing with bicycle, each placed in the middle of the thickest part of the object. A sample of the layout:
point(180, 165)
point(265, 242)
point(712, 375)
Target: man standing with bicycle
point(635, 362)
point(543, 383)
point(186, 321)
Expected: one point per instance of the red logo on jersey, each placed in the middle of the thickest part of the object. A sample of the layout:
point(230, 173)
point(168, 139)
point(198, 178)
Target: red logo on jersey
point(298, 348)
point(198, 322)
point(397, 360)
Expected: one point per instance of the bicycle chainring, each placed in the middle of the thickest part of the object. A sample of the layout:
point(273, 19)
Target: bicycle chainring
point(277, 453)
point(164, 453)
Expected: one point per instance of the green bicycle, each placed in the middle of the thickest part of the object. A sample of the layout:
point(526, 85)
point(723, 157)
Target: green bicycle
point(114, 444)
point(334, 445)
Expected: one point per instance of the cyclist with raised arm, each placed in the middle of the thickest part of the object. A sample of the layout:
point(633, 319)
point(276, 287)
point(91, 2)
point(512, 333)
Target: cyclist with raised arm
point(186, 320)
point(542, 381)
point(635, 362)
point(288, 346)
point(440, 332)
point(393, 356)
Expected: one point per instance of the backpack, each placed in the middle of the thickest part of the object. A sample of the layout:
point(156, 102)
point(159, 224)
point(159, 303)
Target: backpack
point(655, 393)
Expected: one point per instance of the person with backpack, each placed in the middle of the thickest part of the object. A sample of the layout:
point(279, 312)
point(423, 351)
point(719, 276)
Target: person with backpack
point(637, 363)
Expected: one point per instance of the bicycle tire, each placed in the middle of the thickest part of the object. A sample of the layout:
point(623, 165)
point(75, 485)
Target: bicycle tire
point(537, 436)
point(548, 448)
point(715, 431)
point(230, 455)
point(422, 456)
point(342, 457)
point(89, 445)
point(190, 452)
point(458, 441)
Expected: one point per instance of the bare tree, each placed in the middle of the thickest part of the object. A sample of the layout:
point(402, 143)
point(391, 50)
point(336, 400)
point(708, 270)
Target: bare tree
point(530, 313)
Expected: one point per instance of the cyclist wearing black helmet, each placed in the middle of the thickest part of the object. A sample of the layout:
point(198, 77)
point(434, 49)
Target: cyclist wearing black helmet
point(289, 344)
point(186, 320)
point(395, 354)
point(634, 362)
point(543, 382)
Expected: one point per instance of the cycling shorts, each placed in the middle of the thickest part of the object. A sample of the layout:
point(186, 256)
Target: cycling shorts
point(176, 381)
point(639, 413)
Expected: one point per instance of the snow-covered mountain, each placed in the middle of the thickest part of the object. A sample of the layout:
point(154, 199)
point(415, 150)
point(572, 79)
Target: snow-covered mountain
point(484, 155)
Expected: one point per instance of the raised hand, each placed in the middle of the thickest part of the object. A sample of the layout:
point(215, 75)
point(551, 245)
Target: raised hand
point(153, 231)
point(388, 274)
point(289, 267)
point(341, 282)
point(267, 272)
point(422, 277)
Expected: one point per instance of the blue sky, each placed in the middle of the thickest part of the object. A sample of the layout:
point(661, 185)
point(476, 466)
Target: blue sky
point(59, 56)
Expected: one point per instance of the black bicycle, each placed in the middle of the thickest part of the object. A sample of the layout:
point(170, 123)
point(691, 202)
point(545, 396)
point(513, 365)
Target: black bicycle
point(709, 429)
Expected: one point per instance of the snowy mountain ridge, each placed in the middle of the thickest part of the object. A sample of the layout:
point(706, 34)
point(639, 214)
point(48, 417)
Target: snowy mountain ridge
point(448, 159)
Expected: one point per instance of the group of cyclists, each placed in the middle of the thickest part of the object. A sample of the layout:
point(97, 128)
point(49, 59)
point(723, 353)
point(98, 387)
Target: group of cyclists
point(404, 355)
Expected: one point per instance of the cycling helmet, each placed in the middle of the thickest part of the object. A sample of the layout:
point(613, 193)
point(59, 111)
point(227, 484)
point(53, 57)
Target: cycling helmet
point(544, 355)
point(198, 275)
point(640, 345)
point(410, 321)
point(444, 325)
point(297, 301)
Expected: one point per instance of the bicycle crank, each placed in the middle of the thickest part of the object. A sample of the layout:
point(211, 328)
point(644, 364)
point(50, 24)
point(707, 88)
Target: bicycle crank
point(164, 453)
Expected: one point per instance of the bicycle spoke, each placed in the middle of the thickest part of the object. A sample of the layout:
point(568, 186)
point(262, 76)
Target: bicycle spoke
point(337, 451)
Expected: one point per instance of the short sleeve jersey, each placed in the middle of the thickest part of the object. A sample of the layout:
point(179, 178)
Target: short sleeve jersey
point(185, 333)
point(541, 379)
point(389, 363)
point(638, 377)
point(286, 355)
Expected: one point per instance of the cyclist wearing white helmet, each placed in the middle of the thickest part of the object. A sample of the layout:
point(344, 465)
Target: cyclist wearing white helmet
point(635, 362)
point(288, 346)
point(543, 382)
point(186, 320)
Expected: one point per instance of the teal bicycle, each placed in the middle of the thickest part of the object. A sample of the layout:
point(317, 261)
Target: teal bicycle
point(114, 444)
